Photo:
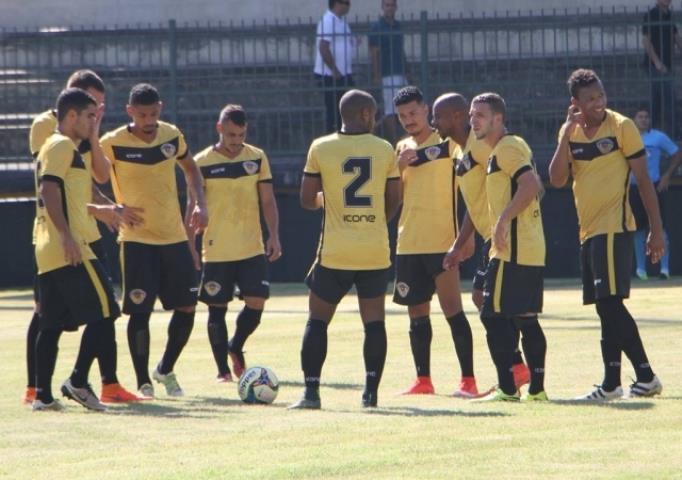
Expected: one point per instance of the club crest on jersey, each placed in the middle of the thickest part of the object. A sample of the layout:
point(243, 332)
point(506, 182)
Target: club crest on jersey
point(606, 145)
point(403, 289)
point(250, 167)
point(168, 149)
point(212, 288)
point(432, 153)
point(137, 296)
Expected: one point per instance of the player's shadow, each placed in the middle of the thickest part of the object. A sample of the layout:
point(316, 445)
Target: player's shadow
point(424, 412)
point(336, 386)
point(617, 405)
point(148, 409)
point(194, 407)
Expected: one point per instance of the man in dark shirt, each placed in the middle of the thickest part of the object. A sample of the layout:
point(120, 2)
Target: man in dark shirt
point(659, 37)
point(387, 54)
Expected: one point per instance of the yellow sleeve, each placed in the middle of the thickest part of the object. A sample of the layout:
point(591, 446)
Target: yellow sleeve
point(513, 161)
point(312, 166)
point(41, 129)
point(265, 174)
point(393, 170)
point(56, 161)
point(630, 140)
point(182, 147)
point(106, 142)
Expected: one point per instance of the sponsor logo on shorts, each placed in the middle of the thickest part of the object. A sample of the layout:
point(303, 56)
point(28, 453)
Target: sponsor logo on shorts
point(137, 296)
point(606, 145)
point(250, 167)
point(168, 149)
point(403, 289)
point(432, 153)
point(597, 281)
point(212, 288)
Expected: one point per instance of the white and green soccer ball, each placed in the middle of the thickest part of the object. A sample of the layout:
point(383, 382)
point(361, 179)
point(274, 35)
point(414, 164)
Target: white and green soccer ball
point(258, 385)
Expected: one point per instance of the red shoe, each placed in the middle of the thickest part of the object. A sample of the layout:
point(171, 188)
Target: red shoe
point(521, 375)
point(422, 386)
point(238, 363)
point(467, 388)
point(115, 393)
point(227, 378)
point(29, 396)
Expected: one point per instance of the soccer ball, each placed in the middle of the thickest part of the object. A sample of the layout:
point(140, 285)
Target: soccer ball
point(258, 385)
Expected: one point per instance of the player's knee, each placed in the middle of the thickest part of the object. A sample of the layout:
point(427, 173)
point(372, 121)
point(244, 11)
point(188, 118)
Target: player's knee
point(190, 309)
point(254, 303)
point(419, 311)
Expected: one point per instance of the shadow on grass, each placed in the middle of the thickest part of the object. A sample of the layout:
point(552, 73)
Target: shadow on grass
point(336, 386)
point(617, 405)
point(422, 412)
point(194, 407)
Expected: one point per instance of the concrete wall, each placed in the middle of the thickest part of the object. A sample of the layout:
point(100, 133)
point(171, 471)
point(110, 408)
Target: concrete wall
point(58, 13)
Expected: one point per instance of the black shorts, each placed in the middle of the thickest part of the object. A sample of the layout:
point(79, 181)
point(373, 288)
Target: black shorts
point(512, 289)
point(638, 210)
point(166, 271)
point(415, 277)
point(74, 296)
point(331, 284)
point(219, 279)
point(606, 263)
point(482, 267)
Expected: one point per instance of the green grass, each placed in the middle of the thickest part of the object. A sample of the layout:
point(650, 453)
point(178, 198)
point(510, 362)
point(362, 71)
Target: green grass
point(211, 434)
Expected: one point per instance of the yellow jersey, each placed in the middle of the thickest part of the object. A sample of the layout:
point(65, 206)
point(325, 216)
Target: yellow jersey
point(354, 170)
point(427, 221)
point(601, 172)
point(511, 158)
point(233, 202)
point(143, 175)
point(59, 161)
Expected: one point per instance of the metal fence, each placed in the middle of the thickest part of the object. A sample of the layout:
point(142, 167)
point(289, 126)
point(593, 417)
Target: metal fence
point(268, 68)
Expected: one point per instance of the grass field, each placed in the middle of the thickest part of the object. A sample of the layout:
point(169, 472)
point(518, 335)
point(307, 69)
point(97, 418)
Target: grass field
point(211, 434)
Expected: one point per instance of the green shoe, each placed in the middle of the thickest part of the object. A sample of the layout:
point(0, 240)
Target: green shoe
point(535, 397)
point(497, 395)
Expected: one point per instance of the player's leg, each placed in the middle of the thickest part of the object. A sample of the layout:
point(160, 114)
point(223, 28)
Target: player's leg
point(535, 348)
point(178, 292)
point(31, 338)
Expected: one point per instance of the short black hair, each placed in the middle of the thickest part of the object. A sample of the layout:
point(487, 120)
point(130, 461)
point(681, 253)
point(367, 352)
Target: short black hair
point(143, 94)
point(332, 3)
point(581, 78)
point(408, 94)
point(233, 113)
point(642, 108)
point(85, 79)
point(73, 99)
point(495, 100)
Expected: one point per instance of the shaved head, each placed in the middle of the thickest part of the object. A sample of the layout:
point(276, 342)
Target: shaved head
point(451, 116)
point(353, 103)
point(453, 102)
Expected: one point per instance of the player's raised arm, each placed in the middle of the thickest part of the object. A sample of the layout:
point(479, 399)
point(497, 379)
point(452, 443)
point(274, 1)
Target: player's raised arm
point(559, 166)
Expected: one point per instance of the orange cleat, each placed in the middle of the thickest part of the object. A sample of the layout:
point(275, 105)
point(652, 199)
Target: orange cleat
point(467, 388)
point(238, 362)
point(115, 393)
point(521, 374)
point(422, 386)
point(29, 396)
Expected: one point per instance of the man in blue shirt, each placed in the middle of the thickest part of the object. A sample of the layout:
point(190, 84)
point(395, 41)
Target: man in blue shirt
point(656, 143)
point(387, 54)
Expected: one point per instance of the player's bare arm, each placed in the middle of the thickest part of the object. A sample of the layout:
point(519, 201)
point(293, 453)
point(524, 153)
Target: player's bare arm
point(559, 167)
point(266, 194)
point(463, 246)
point(328, 58)
point(393, 197)
point(101, 165)
point(655, 243)
point(52, 198)
point(675, 162)
point(528, 189)
point(311, 187)
point(198, 213)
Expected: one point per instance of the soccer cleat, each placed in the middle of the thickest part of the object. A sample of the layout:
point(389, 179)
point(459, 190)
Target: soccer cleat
point(115, 393)
point(226, 378)
point(169, 381)
point(664, 275)
point(641, 274)
point(497, 395)
point(601, 395)
point(29, 395)
point(306, 404)
point(421, 386)
point(53, 406)
point(646, 389)
point(535, 397)
point(521, 374)
point(369, 399)
point(84, 395)
point(467, 388)
point(146, 391)
point(238, 362)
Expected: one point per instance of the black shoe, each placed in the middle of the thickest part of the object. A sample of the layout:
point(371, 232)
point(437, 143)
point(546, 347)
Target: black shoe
point(369, 399)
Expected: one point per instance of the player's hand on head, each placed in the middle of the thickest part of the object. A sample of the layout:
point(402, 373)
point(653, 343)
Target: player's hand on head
point(574, 117)
point(72, 252)
point(273, 249)
point(655, 246)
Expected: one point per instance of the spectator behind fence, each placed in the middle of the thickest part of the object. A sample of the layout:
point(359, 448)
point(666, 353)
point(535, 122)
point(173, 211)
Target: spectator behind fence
point(659, 38)
point(655, 142)
point(387, 54)
point(334, 55)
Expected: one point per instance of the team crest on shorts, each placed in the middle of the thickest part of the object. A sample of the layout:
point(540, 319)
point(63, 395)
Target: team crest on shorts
point(212, 288)
point(168, 149)
point(606, 145)
point(403, 289)
point(250, 167)
point(432, 153)
point(137, 296)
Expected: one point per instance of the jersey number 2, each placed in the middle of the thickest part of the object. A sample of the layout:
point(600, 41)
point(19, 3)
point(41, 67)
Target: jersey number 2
point(362, 168)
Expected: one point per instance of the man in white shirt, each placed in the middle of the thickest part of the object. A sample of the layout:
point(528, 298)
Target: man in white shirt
point(333, 69)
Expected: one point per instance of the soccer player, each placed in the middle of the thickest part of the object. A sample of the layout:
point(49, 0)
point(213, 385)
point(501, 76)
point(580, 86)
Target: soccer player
point(73, 288)
point(102, 209)
point(513, 284)
point(598, 148)
point(451, 119)
point(426, 230)
point(155, 257)
point(353, 177)
point(237, 180)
